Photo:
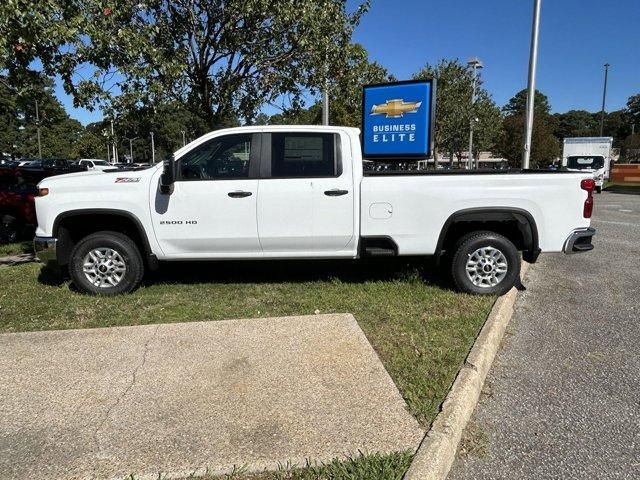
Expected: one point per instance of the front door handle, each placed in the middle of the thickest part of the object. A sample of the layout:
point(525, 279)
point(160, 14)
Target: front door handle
point(335, 192)
point(239, 194)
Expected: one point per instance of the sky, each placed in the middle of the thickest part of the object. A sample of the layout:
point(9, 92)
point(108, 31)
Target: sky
point(577, 37)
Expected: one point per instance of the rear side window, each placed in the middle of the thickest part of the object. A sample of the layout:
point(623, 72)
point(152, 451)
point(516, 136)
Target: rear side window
point(296, 155)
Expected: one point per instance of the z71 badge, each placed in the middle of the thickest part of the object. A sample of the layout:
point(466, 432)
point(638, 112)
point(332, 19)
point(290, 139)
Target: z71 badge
point(127, 179)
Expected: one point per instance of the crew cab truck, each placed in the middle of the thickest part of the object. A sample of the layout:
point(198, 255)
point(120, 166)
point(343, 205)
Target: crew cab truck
point(280, 192)
point(588, 154)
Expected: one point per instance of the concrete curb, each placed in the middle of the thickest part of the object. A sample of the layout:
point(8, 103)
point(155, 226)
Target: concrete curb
point(436, 453)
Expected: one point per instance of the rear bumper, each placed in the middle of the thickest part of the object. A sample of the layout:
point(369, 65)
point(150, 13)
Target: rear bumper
point(45, 248)
point(579, 241)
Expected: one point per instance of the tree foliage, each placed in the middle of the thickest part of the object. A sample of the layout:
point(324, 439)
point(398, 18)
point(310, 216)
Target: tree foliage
point(545, 147)
point(455, 112)
point(575, 123)
point(221, 58)
point(345, 93)
point(18, 125)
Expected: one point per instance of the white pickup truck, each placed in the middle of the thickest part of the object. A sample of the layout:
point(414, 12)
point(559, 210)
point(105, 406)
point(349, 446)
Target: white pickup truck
point(300, 192)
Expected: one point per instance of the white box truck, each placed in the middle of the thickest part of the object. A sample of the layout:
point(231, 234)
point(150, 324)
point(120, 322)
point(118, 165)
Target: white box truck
point(588, 154)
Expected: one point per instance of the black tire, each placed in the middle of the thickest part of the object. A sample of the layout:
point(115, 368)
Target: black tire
point(471, 244)
point(598, 189)
point(128, 255)
point(10, 228)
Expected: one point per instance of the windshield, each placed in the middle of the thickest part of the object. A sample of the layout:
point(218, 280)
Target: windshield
point(102, 163)
point(585, 163)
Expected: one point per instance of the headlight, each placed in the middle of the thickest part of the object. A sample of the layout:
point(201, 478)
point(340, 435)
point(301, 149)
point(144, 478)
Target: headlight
point(42, 192)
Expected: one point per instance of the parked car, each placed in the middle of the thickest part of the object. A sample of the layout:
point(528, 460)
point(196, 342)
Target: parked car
point(17, 212)
point(94, 164)
point(281, 192)
point(36, 170)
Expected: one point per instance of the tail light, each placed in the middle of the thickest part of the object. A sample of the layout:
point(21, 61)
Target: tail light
point(588, 184)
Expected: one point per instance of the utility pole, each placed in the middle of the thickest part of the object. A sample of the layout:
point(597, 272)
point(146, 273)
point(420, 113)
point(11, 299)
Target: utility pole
point(325, 95)
point(531, 87)
point(184, 141)
point(325, 106)
point(131, 146)
point(113, 140)
point(153, 150)
point(604, 97)
point(475, 63)
point(38, 130)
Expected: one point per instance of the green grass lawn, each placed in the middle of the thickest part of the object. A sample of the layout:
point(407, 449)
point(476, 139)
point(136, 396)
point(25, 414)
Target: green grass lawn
point(7, 249)
point(422, 330)
point(361, 467)
point(622, 187)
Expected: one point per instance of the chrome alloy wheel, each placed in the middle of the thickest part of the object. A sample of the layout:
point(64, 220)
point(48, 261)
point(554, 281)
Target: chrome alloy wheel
point(486, 267)
point(104, 267)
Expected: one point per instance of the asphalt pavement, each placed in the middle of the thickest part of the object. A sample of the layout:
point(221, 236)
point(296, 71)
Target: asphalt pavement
point(563, 397)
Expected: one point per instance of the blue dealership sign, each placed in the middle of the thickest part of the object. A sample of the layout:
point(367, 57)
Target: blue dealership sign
point(397, 120)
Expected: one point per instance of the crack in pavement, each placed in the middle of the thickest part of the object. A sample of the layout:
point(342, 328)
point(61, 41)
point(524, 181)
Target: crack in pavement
point(134, 377)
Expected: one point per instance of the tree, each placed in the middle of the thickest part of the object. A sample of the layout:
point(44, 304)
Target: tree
point(633, 109)
point(222, 58)
point(631, 149)
point(545, 148)
point(345, 93)
point(517, 105)
point(18, 124)
point(454, 111)
point(575, 123)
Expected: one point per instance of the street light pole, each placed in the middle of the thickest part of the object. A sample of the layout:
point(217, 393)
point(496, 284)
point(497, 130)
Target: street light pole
point(531, 88)
point(325, 106)
point(113, 139)
point(153, 150)
point(475, 63)
point(131, 146)
point(604, 97)
point(184, 141)
point(38, 130)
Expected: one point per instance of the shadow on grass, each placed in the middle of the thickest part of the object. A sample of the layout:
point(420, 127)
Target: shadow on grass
point(282, 271)
point(51, 276)
point(300, 271)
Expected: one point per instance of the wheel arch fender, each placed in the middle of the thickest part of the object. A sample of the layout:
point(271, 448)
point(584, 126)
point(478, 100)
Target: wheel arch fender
point(525, 222)
point(101, 217)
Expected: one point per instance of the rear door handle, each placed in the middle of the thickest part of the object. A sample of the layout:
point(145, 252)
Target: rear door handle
point(335, 192)
point(239, 194)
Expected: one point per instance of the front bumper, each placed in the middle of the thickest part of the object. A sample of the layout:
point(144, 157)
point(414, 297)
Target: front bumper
point(579, 241)
point(45, 248)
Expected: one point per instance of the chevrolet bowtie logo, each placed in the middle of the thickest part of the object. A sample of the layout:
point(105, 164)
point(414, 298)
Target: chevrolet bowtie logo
point(395, 108)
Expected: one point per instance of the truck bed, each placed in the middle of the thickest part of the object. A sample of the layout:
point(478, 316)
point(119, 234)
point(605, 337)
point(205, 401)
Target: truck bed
point(485, 171)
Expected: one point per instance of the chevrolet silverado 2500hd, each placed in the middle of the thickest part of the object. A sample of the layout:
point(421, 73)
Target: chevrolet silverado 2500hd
point(300, 192)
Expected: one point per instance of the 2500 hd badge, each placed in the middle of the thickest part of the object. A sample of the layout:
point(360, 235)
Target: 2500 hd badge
point(178, 222)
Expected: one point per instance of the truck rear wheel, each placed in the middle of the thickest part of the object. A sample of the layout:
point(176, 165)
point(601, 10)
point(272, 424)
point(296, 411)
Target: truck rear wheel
point(485, 263)
point(106, 263)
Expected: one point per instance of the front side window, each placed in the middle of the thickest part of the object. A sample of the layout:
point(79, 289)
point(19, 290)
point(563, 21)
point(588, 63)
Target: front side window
point(303, 155)
point(223, 157)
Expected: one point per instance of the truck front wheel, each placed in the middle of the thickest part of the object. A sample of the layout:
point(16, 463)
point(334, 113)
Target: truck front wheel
point(106, 263)
point(485, 263)
point(9, 229)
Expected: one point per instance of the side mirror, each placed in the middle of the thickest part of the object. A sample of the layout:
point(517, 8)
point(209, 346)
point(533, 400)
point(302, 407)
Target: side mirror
point(168, 177)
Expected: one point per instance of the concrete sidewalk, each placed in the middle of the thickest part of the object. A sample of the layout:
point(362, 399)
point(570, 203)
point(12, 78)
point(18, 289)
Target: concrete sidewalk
point(182, 398)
